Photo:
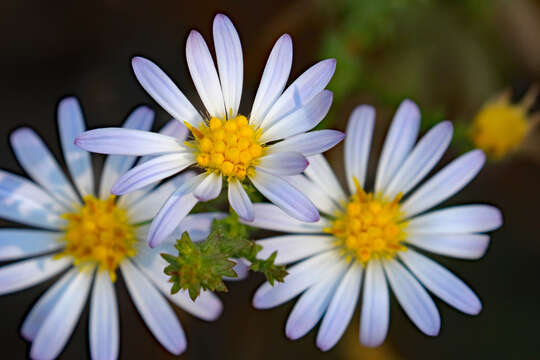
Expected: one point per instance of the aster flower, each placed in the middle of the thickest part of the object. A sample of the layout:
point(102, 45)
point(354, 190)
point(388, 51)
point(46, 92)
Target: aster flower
point(94, 235)
point(374, 236)
point(271, 143)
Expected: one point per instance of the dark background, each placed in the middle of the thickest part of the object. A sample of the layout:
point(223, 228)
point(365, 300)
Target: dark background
point(438, 54)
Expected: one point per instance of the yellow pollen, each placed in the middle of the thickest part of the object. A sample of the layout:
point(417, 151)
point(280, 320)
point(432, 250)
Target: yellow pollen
point(230, 147)
point(99, 233)
point(370, 227)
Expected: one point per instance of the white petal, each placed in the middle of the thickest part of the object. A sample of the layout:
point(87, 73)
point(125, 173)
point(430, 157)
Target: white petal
point(448, 181)
point(147, 207)
point(173, 211)
point(311, 143)
point(457, 220)
point(421, 160)
point(291, 248)
point(197, 225)
point(154, 309)
point(320, 172)
point(71, 125)
point(23, 274)
point(271, 217)
point(121, 141)
point(442, 282)
point(275, 75)
point(152, 171)
point(239, 200)
point(204, 75)
point(463, 246)
point(53, 335)
point(375, 313)
point(300, 277)
point(209, 188)
point(283, 163)
point(301, 120)
point(341, 308)
point(22, 201)
point(164, 91)
point(413, 298)
point(176, 129)
point(287, 197)
point(116, 165)
point(104, 331)
point(45, 304)
point(20, 243)
point(314, 193)
point(398, 143)
point(229, 61)
point(40, 164)
point(357, 144)
point(313, 303)
point(301, 91)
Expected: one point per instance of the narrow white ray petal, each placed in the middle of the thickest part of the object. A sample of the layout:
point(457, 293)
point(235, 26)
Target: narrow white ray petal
point(115, 165)
point(442, 282)
point(164, 91)
point(207, 306)
point(229, 61)
point(104, 329)
point(398, 143)
point(209, 188)
point(300, 277)
point(271, 217)
point(45, 304)
point(301, 120)
point(283, 163)
point(413, 298)
point(173, 211)
point(53, 335)
point(154, 309)
point(23, 274)
point(197, 225)
point(287, 197)
point(357, 144)
point(41, 165)
point(291, 248)
point(375, 313)
point(24, 202)
point(448, 181)
point(301, 91)
point(341, 308)
point(311, 143)
point(461, 219)
point(321, 200)
point(239, 200)
point(70, 125)
point(152, 171)
point(274, 77)
point(320, 172)
point(122, 141)
point(463, 246)
point(309, 309)
point(421, 160)
point(204, 74)
point(21, 243)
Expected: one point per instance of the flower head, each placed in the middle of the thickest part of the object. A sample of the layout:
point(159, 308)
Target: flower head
point(264, 147)
point(94, 233)
point(364, 239)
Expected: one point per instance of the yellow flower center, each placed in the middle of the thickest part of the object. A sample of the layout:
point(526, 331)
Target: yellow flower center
point(99, 233)
point(500, 127)
point(228, 146)
point(369, 228)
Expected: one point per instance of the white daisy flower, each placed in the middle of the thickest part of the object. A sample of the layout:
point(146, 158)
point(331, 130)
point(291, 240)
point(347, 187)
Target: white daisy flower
point(96, 235)
point(271, 143)
point(374, 236)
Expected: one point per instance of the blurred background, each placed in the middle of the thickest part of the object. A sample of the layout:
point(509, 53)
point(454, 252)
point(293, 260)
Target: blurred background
point(448, 56)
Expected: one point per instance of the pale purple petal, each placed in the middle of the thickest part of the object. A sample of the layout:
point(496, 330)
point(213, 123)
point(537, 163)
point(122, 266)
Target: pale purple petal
point(271, 217)
point(320, 172)
point(239, 200)
point(291, 248)
point(283, 163)
point(375, 313)
point(357, 144)
point(104, 328)
point(209, 188)
point(21, 243)
point(463, 246)
point(311, 143)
